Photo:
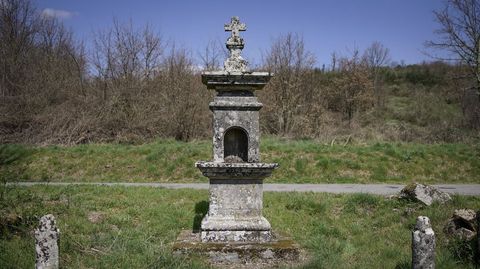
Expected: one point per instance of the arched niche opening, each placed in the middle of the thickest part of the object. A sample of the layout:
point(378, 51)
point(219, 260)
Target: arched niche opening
point(235, 145)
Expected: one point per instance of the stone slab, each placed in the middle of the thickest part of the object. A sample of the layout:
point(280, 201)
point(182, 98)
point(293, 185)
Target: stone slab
point(236, 236)
point(232, 81)
point(227, 171)
point(280, 251)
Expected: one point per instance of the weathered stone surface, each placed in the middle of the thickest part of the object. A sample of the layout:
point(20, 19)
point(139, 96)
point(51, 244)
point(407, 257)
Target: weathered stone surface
point(46, 243)
point(233, 119)
point(233, 159)
point(423, 244)
point(237, 236)
point(462, 224)
point(235, 44)
point(227, 171)
point(235, 81)
point(467, 215)
point(278, 251)
point(425, 194)
point(235, 212)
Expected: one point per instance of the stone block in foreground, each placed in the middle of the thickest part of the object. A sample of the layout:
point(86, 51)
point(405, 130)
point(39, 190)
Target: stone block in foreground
point(46, 243)
point(423, 245)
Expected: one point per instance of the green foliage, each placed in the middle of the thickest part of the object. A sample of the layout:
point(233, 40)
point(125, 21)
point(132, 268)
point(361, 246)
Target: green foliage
point(462, 251)
point(427, 74)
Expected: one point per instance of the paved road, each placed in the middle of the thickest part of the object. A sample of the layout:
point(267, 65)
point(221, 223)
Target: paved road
point(381, 189)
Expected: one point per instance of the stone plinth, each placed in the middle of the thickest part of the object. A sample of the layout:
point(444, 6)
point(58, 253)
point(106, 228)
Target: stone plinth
point(278, 251)
point(236, 202)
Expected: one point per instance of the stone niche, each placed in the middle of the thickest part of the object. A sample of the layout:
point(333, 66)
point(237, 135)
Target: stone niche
point(236, 126)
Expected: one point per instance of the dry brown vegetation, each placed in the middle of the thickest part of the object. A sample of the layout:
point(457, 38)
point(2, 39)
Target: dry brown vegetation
point(133, 86)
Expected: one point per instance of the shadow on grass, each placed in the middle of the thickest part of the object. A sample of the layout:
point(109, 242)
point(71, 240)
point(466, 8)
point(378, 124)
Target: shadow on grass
point(201, 209)
point(11, 158)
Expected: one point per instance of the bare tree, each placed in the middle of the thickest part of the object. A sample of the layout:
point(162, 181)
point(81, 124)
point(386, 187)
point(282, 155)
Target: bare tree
point(292, 64)
point(151, 53)
point(459, 33)
point(184, 104)
point(124, 56)
point(353, 87)
point(211, 56)
point(19, 24)
point(376, 56)
point(334, 61)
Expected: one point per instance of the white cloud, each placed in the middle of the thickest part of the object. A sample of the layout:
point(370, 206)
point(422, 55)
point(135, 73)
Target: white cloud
point(57, 13)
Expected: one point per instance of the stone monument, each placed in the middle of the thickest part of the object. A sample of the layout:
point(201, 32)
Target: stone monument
point(236, 174)
point(234, 225)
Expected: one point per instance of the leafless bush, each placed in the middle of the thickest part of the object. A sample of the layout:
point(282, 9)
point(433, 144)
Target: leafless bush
point(352, 87)
point(186, 111)
point(288, 96)
point(377, 56)
point(40, 65)
point(471, 107)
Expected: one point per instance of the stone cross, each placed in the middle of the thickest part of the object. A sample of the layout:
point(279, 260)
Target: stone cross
point(423, 245)
point(235, 27)
point(46, 243)
point(235, 62)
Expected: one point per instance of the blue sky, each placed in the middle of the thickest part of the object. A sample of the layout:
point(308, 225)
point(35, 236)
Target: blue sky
point(326, 25)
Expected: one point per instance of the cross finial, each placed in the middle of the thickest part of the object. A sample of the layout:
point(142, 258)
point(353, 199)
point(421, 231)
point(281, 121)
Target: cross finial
point(235, 63)
point(235, 27)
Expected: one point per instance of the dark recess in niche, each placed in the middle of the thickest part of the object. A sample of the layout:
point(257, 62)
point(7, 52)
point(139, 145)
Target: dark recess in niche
point(235, 145)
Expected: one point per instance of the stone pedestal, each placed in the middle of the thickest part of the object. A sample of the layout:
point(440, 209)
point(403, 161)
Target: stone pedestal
point(236, 202)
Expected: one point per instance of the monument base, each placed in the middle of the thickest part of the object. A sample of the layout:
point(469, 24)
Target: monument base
point(279, 251)
point(236, 236)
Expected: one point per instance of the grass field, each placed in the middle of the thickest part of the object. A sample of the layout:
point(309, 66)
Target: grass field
point(135, 227)
point(301, 161)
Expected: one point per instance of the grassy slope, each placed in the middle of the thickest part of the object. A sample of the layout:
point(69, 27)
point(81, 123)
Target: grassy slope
point(301, 161)
point(139, 225)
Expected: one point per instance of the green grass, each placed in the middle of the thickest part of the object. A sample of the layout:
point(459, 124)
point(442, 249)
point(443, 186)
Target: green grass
point(138, 226)
point(301, 161)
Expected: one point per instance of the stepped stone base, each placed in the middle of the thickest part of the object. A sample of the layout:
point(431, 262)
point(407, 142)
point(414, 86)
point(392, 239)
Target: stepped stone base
point(236, 236)
point(279, 251)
